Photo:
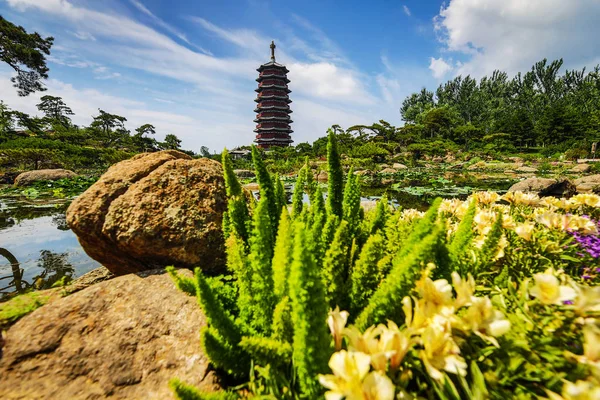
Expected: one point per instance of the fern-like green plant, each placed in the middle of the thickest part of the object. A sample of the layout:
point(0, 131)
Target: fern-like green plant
point(282, 256)
point(464, 234)
point(335, 193)
point(280, 194)
point(297, 197)
point(267, 351)
point(312, 343)
point(183, 283)
point(351, 204)
point(261, 256)
point(488, 251)
point(283, 329)
point(381, 215)
point(237, 217)
point(336, 265)
point(266, 187)
point(365, 274)
point(187, 392)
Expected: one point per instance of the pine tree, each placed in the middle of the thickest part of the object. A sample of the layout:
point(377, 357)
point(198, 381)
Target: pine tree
point(311, 347)
point(335, 194)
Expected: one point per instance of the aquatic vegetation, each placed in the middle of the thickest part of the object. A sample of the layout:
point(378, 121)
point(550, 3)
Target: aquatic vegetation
point(490, 297)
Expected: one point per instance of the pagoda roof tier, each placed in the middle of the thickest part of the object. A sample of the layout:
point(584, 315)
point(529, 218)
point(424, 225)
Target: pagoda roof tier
point(274, 130)
point(272, 97)
point(272, 76)
point(272, 64)
point(260, 108)
point(267, 119)
point(265, 141)
point(261, 88)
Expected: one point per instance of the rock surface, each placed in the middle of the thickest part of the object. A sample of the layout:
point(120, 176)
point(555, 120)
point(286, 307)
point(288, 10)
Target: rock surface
point(244, 173)
point(27, 178)
point(588, 184)
point(526, 169)
point(119, 339)
point(581, 168)
point(545, 187)
point(153, 210)
point(399, 166)
point(388, 171)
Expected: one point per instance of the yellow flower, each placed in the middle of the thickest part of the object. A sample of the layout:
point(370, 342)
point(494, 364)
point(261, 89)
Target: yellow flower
point(395, 344)
point(349, 370)
point(450, 205)
point(486, 197)
point(580, 390)
point(415, 319)
point(484, 221)
point(336, 322)
point(485, 321)
point(525, 230)
point(410, 214)
point(555, 203)
point(586, 199)
point(548, 289)
point(520, 198)
point(464, 290)
point(440, 352)
point(366, 342)
point(434, 294)
point(588, 299)
point(377, 386)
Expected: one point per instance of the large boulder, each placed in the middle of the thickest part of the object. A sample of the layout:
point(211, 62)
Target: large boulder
point(29, 177)
point(545, 187)
point(153, 210)
point(121, 339)
point(588, 184)
point(399, 166)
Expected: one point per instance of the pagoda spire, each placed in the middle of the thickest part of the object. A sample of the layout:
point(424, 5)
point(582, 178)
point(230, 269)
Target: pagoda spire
point(273, 50)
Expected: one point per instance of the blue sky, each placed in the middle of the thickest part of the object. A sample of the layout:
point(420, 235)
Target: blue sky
point(188, 67)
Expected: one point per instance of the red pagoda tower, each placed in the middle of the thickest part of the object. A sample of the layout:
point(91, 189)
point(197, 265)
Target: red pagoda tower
point(273, 109)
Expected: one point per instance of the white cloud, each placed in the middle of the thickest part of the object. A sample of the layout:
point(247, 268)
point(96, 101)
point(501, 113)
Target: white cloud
point(406, 10)
point(140, 6)
point(511, 35)
point(439, 68)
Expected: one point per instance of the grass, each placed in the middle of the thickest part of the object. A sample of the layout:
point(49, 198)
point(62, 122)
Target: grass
point(17, 307)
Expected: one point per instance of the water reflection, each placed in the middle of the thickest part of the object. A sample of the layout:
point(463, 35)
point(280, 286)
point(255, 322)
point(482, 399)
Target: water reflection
point(37, 248)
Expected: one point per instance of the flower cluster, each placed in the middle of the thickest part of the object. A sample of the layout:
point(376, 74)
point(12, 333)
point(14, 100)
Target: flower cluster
point(374, 359)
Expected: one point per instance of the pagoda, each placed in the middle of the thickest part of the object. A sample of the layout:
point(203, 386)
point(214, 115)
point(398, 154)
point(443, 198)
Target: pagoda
point(273, 108)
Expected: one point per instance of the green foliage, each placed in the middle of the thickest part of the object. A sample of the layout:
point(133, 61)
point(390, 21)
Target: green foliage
point(283, 329)
point(311, 347)
point(381, 215)
point(26, 54)
point(19, 306)
point(223, 354)
point(464, 234)
point(490, 247)
point(365, 278)
point(261, 255)
point(335, 192)
point(267, 190)
point(183, 283)
point(351, 203)
point(187, 392)
point(299, 187)
point(267, 351)
point(336, 265)
point(238, 217)
point(282, 255)
point(421, 247)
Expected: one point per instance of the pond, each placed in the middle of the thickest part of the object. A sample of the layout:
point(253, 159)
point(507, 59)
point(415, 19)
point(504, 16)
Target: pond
point(37, 248)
